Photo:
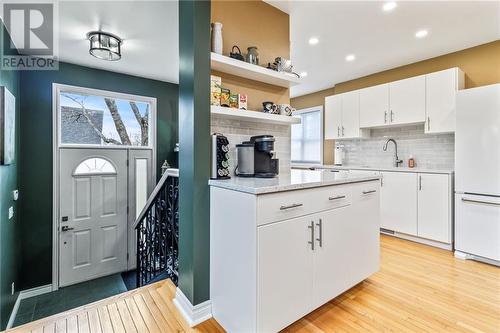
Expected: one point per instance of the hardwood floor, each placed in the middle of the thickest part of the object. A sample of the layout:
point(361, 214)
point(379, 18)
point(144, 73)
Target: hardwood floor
point(147, 309)
point(418, 289)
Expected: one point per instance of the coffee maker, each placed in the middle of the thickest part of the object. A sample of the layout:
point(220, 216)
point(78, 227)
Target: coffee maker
point(265, 166)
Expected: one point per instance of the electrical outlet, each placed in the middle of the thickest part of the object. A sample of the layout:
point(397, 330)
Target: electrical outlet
point(11, 212)
point(12, 289)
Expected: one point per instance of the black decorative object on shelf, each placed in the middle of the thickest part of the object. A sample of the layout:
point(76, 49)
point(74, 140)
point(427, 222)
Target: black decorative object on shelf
point(236, 54)
point(158, 235)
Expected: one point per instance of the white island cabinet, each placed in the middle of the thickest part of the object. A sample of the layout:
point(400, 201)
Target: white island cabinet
point(279, 248)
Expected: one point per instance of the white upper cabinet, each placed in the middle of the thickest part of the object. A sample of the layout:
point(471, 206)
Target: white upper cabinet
point(428, 99)
point(441, 90)
point(342, 116)
point(407, 101)
point(374, 106)
point(333, 116)
point(350, 115)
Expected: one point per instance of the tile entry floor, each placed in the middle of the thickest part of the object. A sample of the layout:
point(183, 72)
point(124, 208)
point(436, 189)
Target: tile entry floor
point(67, 298)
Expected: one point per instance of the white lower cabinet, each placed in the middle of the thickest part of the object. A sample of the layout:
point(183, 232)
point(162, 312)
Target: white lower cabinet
point(349, 251)
point(398, 202)
point(434, 207)
point(301, 262)
point(285, 265)
point(416, 204)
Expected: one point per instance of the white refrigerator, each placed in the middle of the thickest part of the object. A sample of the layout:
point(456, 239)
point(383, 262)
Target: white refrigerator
point(477, 174)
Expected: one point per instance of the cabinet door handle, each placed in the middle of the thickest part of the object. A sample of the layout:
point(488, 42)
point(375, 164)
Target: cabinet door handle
point(385, 117)
point(295, 205)
point(392, 116)
point(337, 197)
point(420, 183)
point(342, 130)
point(481, 202)
point(369, 192)
point(428, 123)
point(320, 228)
point(338, 131)
point(311, 226)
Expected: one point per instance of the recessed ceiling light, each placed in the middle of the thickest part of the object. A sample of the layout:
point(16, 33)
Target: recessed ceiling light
point(303, 74)
point(350, 57)
point(388, 6)
point(313, 40)
point(421, 33)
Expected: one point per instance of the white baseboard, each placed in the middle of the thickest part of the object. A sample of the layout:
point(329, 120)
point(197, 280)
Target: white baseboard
point(193, 314)
point(468, 256)
point(23, 294)
point(444, 246)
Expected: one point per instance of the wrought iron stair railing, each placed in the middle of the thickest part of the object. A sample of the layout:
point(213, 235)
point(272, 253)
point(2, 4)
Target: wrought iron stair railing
point(157, 232)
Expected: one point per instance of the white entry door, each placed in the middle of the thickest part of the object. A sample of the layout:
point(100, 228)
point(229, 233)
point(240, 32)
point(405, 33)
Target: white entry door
point(92, 213)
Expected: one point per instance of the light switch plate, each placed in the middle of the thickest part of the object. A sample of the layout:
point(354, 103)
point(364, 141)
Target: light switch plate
point(12, 288)
point(11, 212)
point(15, 195)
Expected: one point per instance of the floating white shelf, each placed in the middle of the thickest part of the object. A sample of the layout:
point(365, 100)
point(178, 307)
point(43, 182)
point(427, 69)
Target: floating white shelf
point(253, 72)
point(254, 116)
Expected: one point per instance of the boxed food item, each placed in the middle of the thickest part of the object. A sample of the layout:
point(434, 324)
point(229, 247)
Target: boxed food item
point(233, 100)
point(242, 102)
point(215, 82)
point(215, 90)
point(224, 97)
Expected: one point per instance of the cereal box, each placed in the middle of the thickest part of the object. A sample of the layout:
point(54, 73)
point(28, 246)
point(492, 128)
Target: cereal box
point(215, 90)
point(242, 101)
point(224, 97)
point(233, 101)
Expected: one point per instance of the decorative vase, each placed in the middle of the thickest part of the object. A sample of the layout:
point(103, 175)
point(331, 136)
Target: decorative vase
point(253, 55)
point(217, 37)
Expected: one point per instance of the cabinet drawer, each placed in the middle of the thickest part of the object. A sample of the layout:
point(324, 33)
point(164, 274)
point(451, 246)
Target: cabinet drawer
point(285, 205)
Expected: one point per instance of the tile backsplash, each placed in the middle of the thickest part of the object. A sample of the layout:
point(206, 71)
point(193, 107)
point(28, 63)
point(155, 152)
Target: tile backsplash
point(238, 131)
point(433, 151)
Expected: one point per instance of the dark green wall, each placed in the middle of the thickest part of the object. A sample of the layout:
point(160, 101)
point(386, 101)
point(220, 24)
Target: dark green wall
point(194, 156)
point(9, 229)
point(36, 153)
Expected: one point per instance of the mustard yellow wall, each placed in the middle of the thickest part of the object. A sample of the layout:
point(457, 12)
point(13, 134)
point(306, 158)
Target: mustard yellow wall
point(253, 23)
point(481, 65)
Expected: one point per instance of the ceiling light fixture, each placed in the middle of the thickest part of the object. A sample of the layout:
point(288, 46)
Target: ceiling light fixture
point(350, 57)
point(313, 41)
point(303, 74)
point(104, 45)
point(388, 6)
point(421, 33)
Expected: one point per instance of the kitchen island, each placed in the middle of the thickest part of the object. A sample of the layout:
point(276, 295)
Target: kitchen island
point(282, 247)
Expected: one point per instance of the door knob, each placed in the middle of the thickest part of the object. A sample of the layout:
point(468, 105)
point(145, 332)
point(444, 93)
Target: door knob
point(66, 228)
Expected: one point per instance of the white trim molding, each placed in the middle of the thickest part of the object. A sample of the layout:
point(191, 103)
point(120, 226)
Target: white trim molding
point(193, 314)
point(23, 295)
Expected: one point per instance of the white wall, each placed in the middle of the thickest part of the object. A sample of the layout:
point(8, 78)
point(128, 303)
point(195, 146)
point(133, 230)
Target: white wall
point(434, 151)
point(239, 131)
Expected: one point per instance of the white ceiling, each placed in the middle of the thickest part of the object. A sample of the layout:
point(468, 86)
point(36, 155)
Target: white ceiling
point(380, 40)
point(149, 30)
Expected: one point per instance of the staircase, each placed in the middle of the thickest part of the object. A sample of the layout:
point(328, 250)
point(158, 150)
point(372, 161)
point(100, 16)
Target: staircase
point(157, 232)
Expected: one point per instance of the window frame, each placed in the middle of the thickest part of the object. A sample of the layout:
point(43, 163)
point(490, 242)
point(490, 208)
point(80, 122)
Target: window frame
point(63, 88)
point(322, 130)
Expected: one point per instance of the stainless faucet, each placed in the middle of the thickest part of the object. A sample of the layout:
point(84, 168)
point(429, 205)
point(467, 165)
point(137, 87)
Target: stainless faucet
point(397, 161)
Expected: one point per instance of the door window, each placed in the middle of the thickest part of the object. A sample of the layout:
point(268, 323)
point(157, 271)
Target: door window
point(94, 165)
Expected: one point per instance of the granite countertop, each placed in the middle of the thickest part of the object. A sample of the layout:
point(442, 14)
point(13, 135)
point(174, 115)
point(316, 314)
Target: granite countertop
point(295, 180)
point(369, 168)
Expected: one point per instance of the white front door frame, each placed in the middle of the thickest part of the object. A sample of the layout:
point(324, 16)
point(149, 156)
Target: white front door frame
point(56, 144)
